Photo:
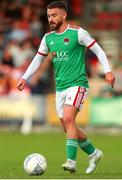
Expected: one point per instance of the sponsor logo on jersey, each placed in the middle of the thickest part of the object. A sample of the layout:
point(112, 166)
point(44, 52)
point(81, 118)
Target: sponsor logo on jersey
point(60, 55)
point(66, 41)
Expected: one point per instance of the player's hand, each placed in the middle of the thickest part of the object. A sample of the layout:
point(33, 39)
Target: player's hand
point(21, 84)
point(110, 78)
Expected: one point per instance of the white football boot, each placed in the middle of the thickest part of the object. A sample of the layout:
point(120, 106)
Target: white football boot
point(93, 160)
point(70, 166)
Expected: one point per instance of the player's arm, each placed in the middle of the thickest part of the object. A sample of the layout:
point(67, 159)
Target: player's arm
point(37, 67)
point(98, 51)
point(43, 67)
point(89, 42)
point(35, 64)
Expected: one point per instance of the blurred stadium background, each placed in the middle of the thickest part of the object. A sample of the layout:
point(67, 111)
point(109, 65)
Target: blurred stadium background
point(22, 25)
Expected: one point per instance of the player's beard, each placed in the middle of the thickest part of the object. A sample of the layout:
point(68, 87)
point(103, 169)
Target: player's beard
point(55, 26)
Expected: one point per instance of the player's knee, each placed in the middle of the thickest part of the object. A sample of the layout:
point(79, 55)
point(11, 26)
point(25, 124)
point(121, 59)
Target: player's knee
point(68, 123)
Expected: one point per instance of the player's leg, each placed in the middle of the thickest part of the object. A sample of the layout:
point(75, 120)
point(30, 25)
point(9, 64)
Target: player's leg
point(87, 146)
point(69, 124)
point(94, 154)
point(70, 165)
point(74, 102)
point(83, 142)
point(73, 96)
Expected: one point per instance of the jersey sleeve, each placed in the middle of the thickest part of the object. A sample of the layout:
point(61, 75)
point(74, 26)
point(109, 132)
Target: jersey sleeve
point(43, 49)
point(85, 39)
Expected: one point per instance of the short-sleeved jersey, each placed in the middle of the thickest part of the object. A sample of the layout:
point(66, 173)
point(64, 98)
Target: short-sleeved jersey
point(68, 54)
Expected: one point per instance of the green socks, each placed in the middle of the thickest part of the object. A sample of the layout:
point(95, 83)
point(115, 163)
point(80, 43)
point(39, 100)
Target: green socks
point(71, 148)
point(86, 146)
point(72, 145)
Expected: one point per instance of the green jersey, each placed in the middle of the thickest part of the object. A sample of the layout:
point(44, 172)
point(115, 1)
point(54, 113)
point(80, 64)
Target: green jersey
point(68, 52)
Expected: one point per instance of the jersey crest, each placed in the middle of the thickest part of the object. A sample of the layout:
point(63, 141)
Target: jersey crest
point(66, 41)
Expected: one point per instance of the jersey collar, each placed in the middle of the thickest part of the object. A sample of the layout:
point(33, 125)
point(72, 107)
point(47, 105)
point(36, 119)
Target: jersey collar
point(63, 31)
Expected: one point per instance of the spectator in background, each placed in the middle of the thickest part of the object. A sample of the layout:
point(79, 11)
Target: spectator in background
point(6, 66)
point(77, 8)
point(2, 46)
point(7, 59)
point(21, 52)
point(19, 33)
point(36, 26)
point(12, 9)
point(4, 84)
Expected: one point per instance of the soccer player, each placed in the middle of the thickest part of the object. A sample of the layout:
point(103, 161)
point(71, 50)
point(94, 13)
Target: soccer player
point(66, 45)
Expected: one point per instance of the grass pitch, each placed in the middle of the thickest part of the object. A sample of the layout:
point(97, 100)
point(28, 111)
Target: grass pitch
point(14, 147)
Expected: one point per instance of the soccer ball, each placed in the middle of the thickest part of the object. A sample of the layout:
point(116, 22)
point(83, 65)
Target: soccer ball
point(35, 164)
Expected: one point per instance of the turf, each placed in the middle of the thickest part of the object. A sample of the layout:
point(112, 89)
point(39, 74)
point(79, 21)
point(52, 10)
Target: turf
point(14, 147)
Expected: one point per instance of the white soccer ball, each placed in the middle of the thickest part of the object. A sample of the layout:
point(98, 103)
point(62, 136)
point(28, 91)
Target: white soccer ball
point(35, 164)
